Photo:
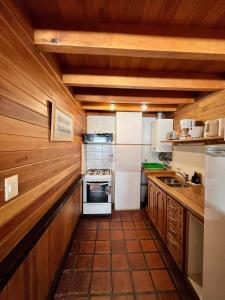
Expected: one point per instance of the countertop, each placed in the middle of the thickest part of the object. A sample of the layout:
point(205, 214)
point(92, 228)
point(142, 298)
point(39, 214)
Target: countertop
point(190, 197)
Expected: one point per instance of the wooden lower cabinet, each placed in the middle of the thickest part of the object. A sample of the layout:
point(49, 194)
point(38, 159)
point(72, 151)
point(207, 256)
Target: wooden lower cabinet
point(157, 208)
point(175, 230)
point(168, 217)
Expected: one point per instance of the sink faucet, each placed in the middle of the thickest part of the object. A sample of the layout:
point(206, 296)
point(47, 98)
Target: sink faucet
point(184, 175)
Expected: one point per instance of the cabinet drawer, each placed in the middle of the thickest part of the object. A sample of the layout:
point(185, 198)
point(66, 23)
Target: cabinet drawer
point(174, 207)
point(176, 220)
point(175, 249)
point(175, 231)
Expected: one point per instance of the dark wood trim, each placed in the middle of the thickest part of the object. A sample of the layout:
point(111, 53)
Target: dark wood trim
point(12, 261)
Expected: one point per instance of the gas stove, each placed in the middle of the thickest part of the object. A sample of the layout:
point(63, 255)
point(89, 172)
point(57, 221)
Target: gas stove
point(98, 175)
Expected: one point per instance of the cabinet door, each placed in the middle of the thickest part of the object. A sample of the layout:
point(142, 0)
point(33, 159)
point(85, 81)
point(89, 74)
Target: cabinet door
point(161, 212)
point(152, 210)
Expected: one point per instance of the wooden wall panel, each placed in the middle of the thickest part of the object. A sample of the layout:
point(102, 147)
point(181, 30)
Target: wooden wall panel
point(35, 275)
point(208, 107)
point(28, 83)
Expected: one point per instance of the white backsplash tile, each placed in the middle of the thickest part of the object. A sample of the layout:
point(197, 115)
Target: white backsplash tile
point(190, 159)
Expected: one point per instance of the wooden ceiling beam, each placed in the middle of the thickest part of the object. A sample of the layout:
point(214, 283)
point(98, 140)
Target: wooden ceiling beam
point(128, 44)
point(148, 83)
point(127, 107)
point(133, 99)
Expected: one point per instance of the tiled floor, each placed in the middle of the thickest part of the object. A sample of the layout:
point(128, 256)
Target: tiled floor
point(120, 258)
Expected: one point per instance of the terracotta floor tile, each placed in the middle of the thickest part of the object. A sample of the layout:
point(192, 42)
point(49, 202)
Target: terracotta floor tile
point(148, 245)
point(137, 261)
point(154, 260)
point(146, 297)
point(137, 218)
point(89, 235)
point(123, 297)
point(101, 282)
point(140, 225)
point(117, 235)
point(103, 235)
point(116, 225)
point(162, 280)
point(79, 282)
point(128, 225)
point(130, 234)
point(121, 282)
point(133, 246)
point(101, 262)
point(84, 262)
point(118, 246)
point(142, 281)
point(110, 268)
point(87, 247)
point(119, 261)
point(91, 225)
point(169, 296)
point(103, 225)
point(102, 246)
point(126, 218)
point(75, 247)
point(143, 234)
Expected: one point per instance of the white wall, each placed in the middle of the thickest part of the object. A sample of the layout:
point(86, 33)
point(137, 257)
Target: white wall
point(189, 158)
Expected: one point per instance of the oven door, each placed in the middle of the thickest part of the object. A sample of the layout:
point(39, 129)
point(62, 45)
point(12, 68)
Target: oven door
point(98, 192)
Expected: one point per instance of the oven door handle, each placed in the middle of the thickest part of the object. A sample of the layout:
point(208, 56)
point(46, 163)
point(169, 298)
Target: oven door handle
point(97, 184)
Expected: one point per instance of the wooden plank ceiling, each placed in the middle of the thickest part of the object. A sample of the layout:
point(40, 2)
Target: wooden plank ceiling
point(133, 55)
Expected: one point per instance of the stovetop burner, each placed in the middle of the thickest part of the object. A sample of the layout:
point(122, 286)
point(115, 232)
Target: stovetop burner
point(100, 172)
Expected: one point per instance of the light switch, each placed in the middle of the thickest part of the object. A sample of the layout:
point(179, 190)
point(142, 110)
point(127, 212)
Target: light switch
point(11, 187)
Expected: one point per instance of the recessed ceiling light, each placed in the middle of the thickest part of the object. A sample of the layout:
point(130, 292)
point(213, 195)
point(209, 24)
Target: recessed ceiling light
point(112, 106)
point(144, 107)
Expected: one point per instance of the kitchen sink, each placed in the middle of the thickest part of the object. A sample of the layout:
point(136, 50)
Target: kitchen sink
point(173, 182)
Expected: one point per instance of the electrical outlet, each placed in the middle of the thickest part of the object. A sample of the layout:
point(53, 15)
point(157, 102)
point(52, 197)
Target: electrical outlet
point(11, 187)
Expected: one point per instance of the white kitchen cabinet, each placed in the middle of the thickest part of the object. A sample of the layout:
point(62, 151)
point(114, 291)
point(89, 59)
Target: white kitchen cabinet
point(129, 128)
point(160, 129)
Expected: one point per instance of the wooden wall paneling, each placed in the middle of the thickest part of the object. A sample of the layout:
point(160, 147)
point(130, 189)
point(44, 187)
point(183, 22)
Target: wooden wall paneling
point(9, 90)
point(16, 159)
point(18, 143)
point(211, 106)
point(35, 275)
point(15, 127)
point(14, 110)
point(42, 272)
point(32, 179)
point(12, 229)
point(49, 84)
point(4, 293)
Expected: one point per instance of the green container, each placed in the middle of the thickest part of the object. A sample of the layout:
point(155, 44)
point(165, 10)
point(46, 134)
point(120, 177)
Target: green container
point(153, 166)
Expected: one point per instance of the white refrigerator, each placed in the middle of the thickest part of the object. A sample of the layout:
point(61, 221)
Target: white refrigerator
point(128, 160)
point(214, 225)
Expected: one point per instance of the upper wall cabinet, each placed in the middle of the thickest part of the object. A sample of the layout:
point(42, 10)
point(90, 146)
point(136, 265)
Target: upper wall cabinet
point(129, 128)
point(160, 129)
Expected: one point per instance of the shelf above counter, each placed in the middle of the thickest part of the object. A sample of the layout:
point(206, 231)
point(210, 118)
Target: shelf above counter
point(208, 140)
